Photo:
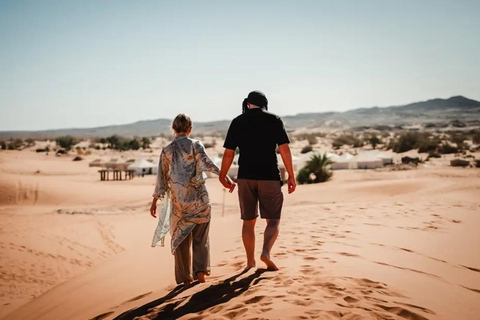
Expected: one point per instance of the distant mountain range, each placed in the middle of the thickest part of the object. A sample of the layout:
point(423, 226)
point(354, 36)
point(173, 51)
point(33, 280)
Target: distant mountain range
point(457, 111)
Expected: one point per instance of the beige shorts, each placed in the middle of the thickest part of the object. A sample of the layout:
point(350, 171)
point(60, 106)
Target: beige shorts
point(266, 194)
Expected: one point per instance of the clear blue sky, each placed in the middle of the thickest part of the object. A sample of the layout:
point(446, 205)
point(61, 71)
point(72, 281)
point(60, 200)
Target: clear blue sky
point(86, 63)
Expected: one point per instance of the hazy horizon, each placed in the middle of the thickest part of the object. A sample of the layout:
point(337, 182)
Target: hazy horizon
point(206, 121)
point(93, 64)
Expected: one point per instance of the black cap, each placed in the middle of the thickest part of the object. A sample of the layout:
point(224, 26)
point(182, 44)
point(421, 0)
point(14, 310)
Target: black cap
point(257, 98)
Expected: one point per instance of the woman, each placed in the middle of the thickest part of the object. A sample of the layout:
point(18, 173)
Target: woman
point(181, 187)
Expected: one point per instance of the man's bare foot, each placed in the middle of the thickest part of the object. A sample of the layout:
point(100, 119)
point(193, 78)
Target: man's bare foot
point(250, 265)
point(270, 265)
point(201, 277)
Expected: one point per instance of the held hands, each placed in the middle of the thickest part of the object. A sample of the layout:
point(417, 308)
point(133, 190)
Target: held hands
point(227, 183)
point(153, 208)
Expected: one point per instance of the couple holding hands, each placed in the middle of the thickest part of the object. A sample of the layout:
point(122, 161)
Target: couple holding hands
point(185, 208)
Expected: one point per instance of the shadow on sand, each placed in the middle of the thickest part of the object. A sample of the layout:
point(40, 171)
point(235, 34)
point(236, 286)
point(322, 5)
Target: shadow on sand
point(202, 300)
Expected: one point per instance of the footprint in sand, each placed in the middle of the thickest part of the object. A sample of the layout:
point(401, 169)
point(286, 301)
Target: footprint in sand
point(471, 268)
point(137, 297)
point(310, 258)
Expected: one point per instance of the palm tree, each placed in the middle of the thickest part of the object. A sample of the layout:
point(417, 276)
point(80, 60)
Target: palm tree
point(319, 165)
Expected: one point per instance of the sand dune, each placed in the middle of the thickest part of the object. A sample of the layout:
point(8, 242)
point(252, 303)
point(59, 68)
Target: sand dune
point(367, 245)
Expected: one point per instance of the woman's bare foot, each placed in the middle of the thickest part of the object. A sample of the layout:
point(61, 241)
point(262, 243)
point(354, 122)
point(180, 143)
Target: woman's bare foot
point(188, 282)
point(270, 265)
point(201, 277)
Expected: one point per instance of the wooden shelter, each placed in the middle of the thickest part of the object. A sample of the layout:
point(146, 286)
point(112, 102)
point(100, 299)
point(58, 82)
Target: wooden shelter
point(117, 174)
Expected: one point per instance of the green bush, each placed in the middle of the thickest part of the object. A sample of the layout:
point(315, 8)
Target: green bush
point(306, 149)
point(303, 176)
point(423, 141)
point(373, 139)
point(447, 148)
point(66, 142)
point(319, 165)
point(349, 140)
point(476, 138)
point(134, 144)
point(312, 139)
point(145, 142)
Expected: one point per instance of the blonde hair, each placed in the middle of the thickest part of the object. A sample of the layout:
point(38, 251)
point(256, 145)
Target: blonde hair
point(181, 123)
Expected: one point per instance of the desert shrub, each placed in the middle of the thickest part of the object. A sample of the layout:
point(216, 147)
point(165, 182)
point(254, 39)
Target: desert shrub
point(405, 142)
point(476, 137)
point(458, 124)
point(372, 138)
point(319, 165)
point(311, 139)
point(349, 140)
point(78, 158)
point(29, 141)
point(146, 142)
point(434, 155)
point(306, 149)
point(66, 142)
point(427, 145)
point(303, 176)
point(115, 141)
point(14, 144)
point(3, 145)
point(120, 143)
point(458, 138)
point(133, 144)
point(208, 145)
point(385, 134)
point(423, 141)
point(447, 148)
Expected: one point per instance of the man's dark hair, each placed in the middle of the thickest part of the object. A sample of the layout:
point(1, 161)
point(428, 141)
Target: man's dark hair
point(256, 98)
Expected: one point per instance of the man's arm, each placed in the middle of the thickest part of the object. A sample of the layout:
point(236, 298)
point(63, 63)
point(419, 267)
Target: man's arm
point(287, 161)
point(227, 160)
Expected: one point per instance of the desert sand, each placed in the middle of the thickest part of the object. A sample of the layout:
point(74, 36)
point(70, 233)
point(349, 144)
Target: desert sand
point(369, 244)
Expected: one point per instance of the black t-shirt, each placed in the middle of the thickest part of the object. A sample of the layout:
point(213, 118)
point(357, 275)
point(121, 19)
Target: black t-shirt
point(257, 133)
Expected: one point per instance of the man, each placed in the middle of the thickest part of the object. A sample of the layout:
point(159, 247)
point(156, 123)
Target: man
point(257, 133)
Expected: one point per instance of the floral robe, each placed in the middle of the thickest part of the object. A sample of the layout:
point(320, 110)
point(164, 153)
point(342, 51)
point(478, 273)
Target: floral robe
point(181, 188)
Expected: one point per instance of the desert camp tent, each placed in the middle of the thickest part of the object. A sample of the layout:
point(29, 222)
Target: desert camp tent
point(365, 161)
point(386, 159)
point(142, 167)
point(97, 163)
point(116, 164)
point(341, 162)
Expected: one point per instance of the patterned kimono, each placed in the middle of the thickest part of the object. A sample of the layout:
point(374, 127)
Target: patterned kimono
point(181, 188)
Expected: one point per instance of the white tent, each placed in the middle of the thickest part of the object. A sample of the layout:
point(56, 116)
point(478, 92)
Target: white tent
point(142, 167)
point(386, 159)
point(342, 162)
point(116, 164)
point(366, 161)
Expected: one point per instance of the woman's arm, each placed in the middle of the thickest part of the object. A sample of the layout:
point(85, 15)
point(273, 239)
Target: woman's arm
point(161, 183)
point(205, 164)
